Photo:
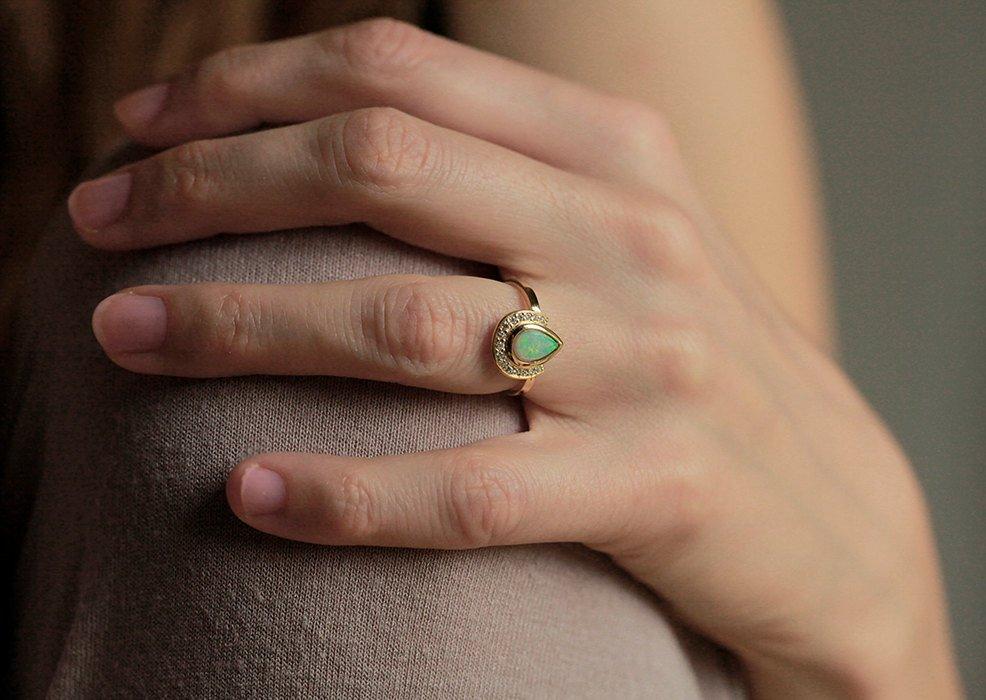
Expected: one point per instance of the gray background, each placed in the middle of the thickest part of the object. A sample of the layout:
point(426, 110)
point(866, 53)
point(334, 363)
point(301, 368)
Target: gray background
point(897, 96)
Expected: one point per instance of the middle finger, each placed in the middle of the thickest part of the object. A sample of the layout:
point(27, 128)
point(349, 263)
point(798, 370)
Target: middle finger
point(383, 62)
point(426, 185)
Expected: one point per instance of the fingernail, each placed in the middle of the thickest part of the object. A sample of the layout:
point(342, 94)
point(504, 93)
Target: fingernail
point(96, 204)
point(262, 492)
point(138, 109)
point(127, 322)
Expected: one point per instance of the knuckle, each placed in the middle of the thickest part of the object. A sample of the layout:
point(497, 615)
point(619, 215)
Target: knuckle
point(485, 501)
point(354, 509)
point(663, 239)
point(417, 328)
point(689, 500)
point(224, 81)
point(677, 356)
point(643, 131)
point(237, 324)
point(689, 505)
point(380, 45)
point(186, 177)
point(377, 148)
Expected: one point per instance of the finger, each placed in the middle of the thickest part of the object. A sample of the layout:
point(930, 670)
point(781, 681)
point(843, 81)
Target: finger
point(509, 490)
point(432, 332)
point(426, 185)
point(384, 62)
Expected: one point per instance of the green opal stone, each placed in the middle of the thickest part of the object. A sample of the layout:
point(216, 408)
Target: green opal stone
point(532, 345)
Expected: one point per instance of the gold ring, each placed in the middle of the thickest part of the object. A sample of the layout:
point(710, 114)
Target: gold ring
point(522, 341)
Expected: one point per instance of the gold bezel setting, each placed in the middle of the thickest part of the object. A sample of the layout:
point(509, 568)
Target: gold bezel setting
point(506, 341)
point(503, 354)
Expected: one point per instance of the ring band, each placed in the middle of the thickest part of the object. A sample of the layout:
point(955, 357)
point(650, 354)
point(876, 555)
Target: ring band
point(523, 342)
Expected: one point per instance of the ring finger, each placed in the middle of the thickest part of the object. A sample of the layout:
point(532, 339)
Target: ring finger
point(432, 332)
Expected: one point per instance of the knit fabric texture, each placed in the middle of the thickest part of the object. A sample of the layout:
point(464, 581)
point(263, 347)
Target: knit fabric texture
point(133, 578)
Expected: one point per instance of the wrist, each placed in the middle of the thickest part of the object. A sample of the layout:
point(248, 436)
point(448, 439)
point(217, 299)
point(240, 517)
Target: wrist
point(926, 678)
point(918, 664)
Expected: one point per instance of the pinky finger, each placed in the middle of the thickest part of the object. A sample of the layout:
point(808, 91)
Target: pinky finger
point(508, 490)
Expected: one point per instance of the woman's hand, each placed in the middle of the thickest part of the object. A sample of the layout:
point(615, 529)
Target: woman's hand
point(686, 429)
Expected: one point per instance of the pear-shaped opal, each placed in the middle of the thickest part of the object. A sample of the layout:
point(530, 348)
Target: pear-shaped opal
point(533, 345)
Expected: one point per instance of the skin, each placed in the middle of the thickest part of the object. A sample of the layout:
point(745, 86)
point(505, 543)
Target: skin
point(688, 429)
point(720, 75)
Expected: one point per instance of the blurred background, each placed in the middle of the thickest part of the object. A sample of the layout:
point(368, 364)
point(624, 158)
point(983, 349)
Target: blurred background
point(897, 96)
point(896, 90)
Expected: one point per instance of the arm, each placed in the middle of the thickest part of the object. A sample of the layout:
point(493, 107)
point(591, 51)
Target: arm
point(720, 74)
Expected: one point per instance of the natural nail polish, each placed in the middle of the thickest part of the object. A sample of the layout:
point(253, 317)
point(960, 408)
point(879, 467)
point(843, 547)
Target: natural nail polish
point(130, 323)
point(262, 492)
point(138, 109)
point(96, 204)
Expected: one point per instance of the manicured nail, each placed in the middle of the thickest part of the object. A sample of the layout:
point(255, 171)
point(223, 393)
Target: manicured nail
point(262, 492)
point(96, 204)
point(138, 109)
point(127, 323)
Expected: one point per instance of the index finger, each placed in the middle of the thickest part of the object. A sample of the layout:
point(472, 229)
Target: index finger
point(386, 63)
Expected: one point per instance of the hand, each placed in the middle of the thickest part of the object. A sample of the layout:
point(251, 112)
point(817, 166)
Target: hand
point(687, 429)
